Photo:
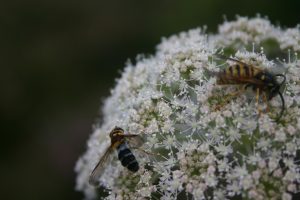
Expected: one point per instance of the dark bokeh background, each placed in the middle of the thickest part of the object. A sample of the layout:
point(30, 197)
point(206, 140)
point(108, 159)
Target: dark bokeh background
point(59, 60)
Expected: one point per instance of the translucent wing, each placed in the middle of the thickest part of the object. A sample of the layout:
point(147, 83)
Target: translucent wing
point(100, 167)
point(135, 141)
point(237, 61)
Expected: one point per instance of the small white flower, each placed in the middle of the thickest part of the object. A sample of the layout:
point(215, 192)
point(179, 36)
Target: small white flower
point(256, 175)
point(278, 173)
point(233, 134)
point(273, 164)
point(263, 143)
point(286, 196)
point(292, 188)
point(224, 150)
point(234, 189)
point(290, 176)
point(247, 182)
point(164, 109)
point(280, 136)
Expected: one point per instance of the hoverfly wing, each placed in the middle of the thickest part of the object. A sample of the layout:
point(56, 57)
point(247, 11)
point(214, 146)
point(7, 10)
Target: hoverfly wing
point(100, 167)
point(135, 141)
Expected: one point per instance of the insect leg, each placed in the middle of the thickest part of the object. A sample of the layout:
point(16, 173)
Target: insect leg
point(266, 101)
point(282, 107)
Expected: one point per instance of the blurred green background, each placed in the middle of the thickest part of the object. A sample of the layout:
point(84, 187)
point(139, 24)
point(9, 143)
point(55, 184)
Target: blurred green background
point(59, 60)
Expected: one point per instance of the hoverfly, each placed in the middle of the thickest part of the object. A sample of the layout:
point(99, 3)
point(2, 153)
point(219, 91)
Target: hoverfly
point(121, 142)
point(261, 80)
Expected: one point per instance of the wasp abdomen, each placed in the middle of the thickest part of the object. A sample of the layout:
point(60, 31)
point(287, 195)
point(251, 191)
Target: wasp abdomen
point(127, 158)
point(237, 74)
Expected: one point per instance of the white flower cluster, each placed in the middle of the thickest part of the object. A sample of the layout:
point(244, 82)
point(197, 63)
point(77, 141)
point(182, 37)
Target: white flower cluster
point(203, 144)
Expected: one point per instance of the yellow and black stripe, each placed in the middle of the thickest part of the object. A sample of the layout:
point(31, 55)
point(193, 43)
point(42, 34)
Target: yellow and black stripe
point(234, 74)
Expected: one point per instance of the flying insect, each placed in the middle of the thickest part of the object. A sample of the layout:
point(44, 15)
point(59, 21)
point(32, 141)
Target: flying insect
point(122, 143)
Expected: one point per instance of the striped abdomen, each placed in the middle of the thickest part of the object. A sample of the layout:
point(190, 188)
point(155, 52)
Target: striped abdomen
point(127, 158)
point(237, 74)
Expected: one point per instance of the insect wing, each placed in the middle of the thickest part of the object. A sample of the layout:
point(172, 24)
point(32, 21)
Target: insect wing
point(238, 61)
point(100, 167)
point(134, 141)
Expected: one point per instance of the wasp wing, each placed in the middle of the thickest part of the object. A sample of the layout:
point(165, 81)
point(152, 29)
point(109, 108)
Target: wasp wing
point(100, 167)
point(237, 61)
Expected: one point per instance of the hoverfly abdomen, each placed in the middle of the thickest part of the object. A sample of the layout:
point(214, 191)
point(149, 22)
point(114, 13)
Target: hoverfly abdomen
point(127, 158)
point(120, 142)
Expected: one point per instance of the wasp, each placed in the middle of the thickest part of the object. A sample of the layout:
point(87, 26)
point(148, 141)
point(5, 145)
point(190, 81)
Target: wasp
point(122, 143)
point(260, 80)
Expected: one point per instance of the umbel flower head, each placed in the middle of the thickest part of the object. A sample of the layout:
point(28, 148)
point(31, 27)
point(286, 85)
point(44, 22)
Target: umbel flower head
point(203, 142)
